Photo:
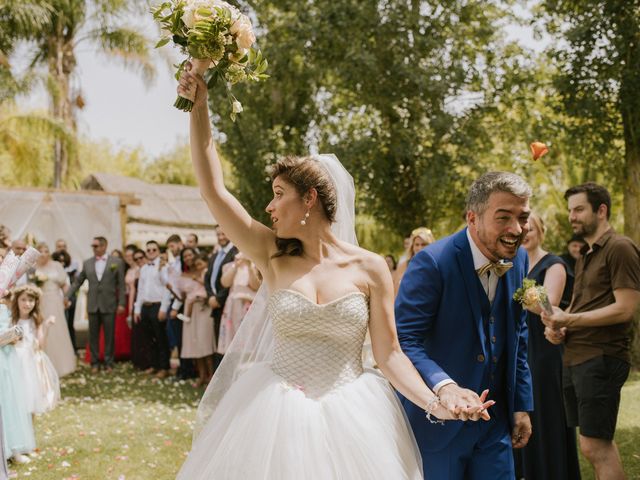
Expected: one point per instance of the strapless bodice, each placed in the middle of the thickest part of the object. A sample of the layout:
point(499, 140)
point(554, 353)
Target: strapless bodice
point(318, 347)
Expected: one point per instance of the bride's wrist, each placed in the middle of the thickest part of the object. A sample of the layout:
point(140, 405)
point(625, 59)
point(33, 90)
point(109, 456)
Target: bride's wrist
point(431, 407)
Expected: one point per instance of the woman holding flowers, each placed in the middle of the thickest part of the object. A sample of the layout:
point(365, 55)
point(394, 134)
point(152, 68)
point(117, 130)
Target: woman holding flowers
point(53, 280)
point(291, 399)
point(551, 452)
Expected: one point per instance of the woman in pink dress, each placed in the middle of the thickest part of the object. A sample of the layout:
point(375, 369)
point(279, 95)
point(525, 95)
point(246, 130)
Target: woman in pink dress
point(50, 276)
point(242, 279)
point(198, 340)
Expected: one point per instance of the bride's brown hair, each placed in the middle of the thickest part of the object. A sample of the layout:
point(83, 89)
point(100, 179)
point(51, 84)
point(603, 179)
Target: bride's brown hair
point(304, 173)
point(33, 292)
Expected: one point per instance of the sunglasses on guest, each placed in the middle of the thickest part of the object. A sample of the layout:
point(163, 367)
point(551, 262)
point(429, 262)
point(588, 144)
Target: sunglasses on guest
point(138, 258)
point(152, 249)
point(95, 245)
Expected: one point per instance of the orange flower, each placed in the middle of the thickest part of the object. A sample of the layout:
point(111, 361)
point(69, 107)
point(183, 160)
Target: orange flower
point(538, 149)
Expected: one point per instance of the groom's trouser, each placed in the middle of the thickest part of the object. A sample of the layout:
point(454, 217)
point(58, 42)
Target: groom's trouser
point(480, 451)
point(108, 322)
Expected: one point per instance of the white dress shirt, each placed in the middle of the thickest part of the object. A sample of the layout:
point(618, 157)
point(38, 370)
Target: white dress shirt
point(150, 286)
point(489, 280)
point(101, 264)
point(170, 275)
point(217, 265)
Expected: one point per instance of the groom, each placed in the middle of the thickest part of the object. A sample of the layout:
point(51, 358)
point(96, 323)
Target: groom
point(464, 333)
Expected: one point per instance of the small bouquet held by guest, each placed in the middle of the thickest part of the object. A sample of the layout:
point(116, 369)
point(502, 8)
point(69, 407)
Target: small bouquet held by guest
point(218, 38)
point(531, 295)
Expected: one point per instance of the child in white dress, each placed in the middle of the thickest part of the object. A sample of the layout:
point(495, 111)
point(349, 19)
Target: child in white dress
point(41, 380)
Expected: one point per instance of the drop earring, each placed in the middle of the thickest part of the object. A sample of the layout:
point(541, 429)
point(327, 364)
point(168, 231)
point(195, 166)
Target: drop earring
point(303, 222)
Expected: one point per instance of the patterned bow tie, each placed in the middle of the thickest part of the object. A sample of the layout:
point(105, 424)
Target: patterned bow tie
point(499, 268)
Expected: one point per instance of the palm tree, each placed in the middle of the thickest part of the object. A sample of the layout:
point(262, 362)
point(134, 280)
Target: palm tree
point(26, 141)
point(25, 138)
point(18, 19)
point(101, 23)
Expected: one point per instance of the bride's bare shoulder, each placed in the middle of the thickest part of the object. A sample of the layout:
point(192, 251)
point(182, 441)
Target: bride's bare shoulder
point(370, 261)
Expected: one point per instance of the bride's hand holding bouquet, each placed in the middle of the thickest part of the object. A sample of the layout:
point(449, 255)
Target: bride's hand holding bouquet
point(220, 41)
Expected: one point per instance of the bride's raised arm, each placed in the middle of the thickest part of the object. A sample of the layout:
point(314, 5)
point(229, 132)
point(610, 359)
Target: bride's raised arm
point(256, 240)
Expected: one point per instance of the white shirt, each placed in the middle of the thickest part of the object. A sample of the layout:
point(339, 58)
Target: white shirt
point(101, 264)
point(170, 275)
point(150, 286)
point(223, 253)
point(489, 282)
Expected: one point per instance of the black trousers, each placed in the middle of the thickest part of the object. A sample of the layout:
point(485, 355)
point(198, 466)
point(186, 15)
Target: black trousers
point(186, 368)
point(108, 322)
point(156, 331)
point(216, 317)
point(69, 313)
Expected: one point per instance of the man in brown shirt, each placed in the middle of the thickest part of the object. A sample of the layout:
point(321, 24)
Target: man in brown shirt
point(596, 329)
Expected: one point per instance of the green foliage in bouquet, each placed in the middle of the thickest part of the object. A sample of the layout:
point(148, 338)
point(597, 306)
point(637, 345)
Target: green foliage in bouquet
point(212, 30)
point(530, 293)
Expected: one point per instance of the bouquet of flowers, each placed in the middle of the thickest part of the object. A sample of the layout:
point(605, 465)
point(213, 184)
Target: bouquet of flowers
point(214, 31)
point(38, 278)
point(532, 294)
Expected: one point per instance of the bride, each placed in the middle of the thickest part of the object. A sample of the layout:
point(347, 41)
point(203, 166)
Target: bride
point(291, 399)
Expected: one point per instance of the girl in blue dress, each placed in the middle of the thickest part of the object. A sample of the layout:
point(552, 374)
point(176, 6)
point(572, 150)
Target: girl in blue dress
point(17, 433)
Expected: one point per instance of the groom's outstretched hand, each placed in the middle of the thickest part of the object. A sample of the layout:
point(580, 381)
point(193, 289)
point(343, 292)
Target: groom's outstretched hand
point(521, 429)
point(462, 403)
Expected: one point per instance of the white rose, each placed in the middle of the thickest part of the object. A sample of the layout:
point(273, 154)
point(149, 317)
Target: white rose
point(243, 31)
point(236, 107)
point(188, 18)
point(239, 55)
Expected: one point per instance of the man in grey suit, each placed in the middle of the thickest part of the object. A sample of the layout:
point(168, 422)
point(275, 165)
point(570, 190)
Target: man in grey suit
point(106, 297)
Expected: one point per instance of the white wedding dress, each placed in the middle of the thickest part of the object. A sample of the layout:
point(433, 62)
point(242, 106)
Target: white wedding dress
point(312, 412)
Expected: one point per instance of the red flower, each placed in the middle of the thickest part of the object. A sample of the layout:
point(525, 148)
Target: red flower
point(538, 149)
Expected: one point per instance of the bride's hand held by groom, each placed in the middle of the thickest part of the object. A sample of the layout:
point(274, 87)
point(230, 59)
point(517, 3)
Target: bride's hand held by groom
point(459, 403)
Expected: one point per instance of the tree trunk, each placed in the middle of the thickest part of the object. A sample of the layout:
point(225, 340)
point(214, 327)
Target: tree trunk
point(61, 62)
point(632, 193)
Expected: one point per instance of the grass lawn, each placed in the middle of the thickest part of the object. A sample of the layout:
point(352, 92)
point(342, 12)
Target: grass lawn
point(120, 426)
point(124, 426)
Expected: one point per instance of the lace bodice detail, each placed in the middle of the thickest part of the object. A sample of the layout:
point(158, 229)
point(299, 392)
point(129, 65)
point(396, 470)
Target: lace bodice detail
point(318, 347)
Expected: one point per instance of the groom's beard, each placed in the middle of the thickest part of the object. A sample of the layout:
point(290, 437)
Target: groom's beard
point(504, 246)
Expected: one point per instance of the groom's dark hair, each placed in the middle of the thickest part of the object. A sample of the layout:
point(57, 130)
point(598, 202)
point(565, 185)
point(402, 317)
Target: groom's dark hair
point(491, 182)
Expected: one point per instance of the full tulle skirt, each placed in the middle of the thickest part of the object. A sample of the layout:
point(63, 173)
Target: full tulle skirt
point(265, 428)
point(40, 381)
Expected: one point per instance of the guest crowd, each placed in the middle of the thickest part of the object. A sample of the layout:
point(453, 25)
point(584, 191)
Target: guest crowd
point(172, 309)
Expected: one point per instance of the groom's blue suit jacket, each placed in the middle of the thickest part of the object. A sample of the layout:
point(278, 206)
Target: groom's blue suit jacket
point(440, 327)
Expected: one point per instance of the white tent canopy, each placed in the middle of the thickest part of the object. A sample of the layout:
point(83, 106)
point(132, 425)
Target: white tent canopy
point(161, 209)
point(49, 215)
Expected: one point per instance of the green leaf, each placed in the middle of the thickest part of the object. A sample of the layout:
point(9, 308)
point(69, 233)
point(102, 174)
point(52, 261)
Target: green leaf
point(163, 42)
